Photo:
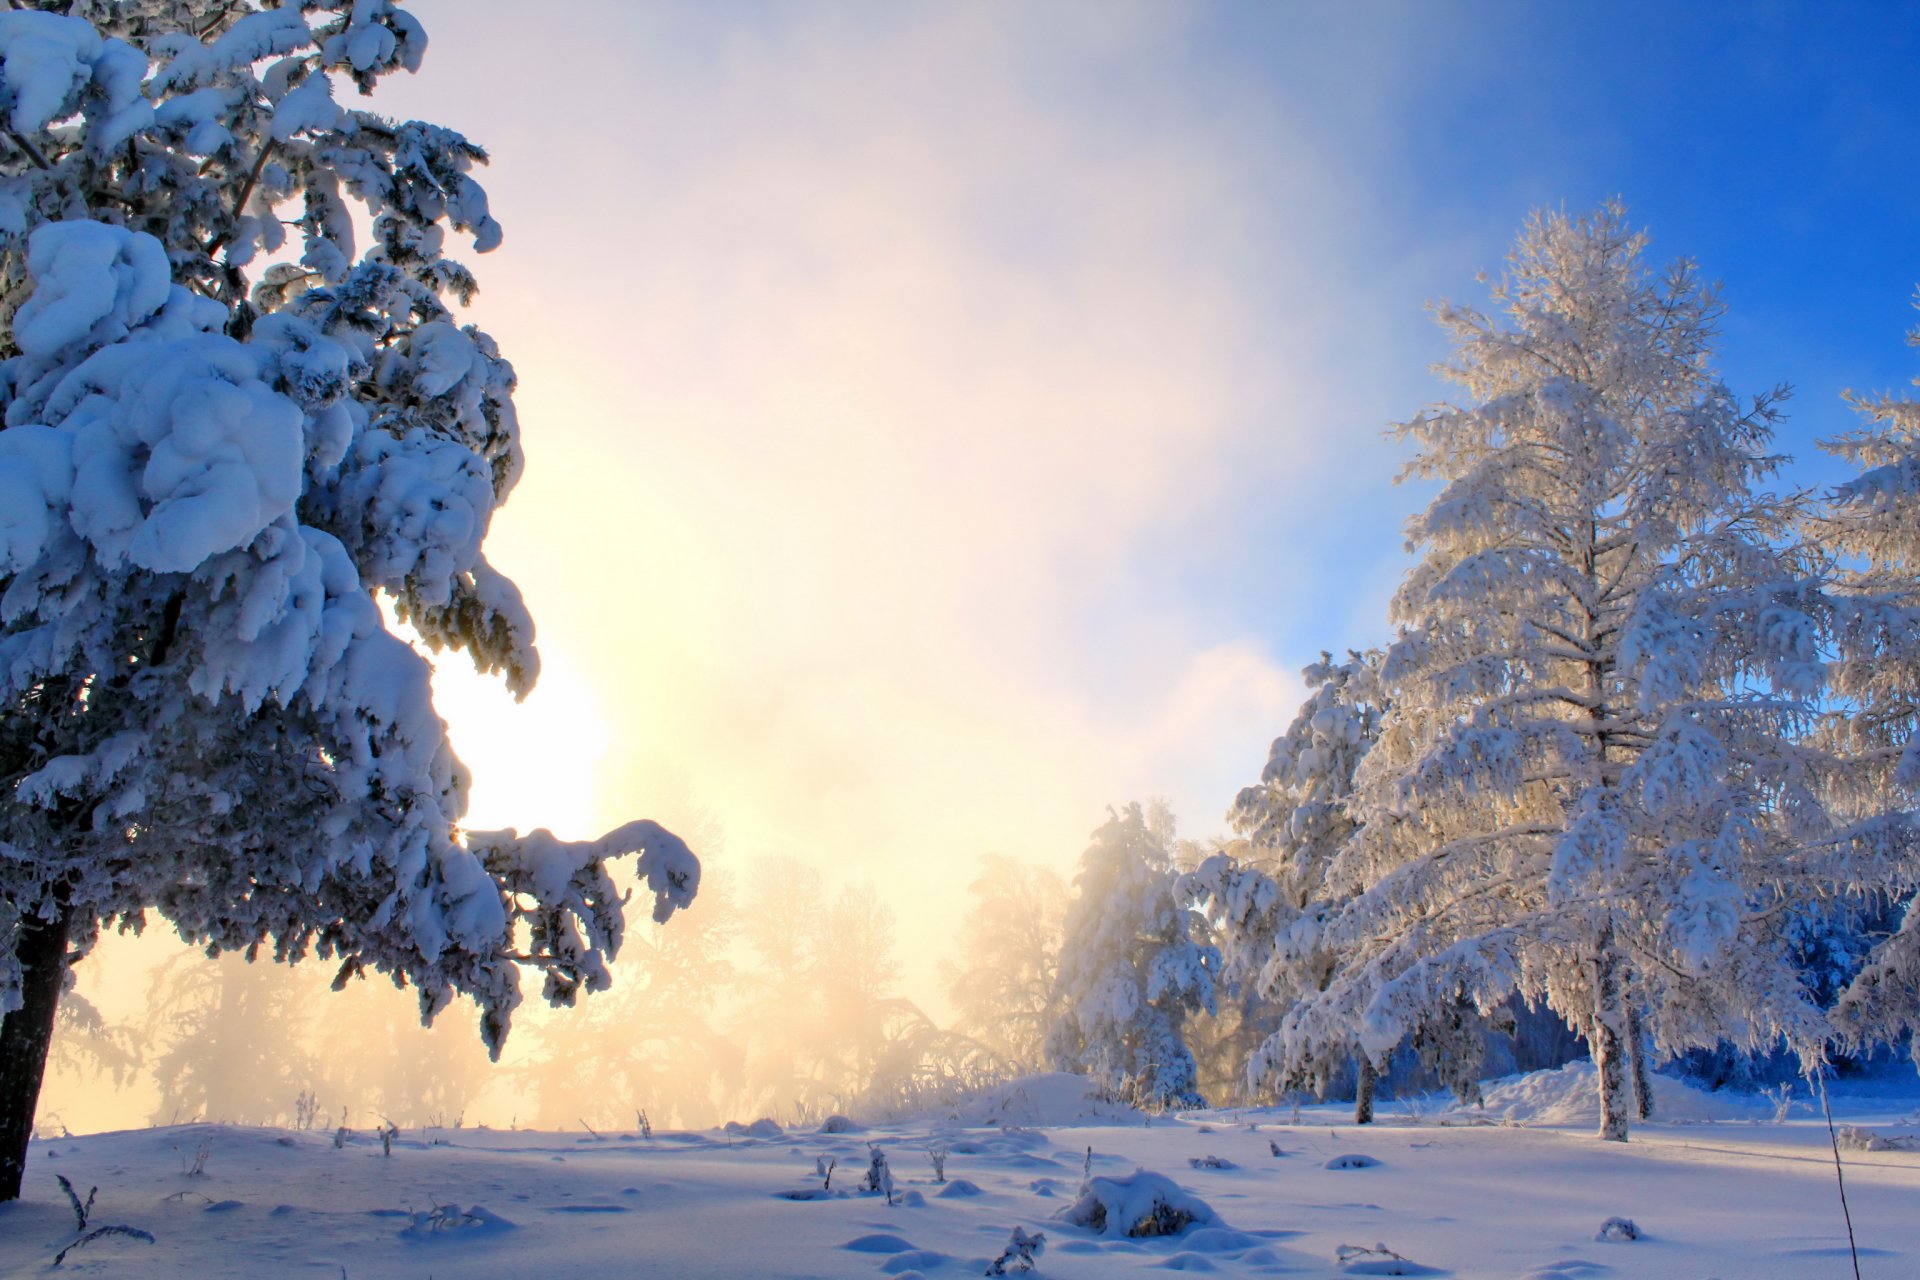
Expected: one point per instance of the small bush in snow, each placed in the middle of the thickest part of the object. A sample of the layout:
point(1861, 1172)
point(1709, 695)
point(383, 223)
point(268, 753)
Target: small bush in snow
point(1020, 1254)
point(1356, 1259)
point(196, 1165)
point(1210, 1162)
point(1352, 1161)
point(1141, 1204)
point(1618, 1230)
point(82, 1213)
point(879, 1177)
point(443, 1218)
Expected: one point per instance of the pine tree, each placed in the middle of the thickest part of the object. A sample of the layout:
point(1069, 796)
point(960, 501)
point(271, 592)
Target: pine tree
point(1590, 788)
point(1130, 970)
point(217, 447)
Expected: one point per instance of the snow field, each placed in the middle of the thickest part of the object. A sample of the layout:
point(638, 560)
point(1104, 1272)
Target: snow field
point(1737, 1201)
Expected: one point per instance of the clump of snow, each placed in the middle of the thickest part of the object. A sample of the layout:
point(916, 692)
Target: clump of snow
point(91, 279)
point(1851, 1137)
point(1141, 1204)
point(1618, 1230)
point(1054, 1099)
point(1570, 1095)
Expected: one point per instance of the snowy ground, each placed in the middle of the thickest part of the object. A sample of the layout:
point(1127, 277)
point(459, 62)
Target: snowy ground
point(1723, 1196)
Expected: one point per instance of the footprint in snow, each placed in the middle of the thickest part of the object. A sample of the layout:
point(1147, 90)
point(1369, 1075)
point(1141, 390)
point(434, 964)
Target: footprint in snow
point(914, 1261)
point(584, 1208)
point(1352, 1160)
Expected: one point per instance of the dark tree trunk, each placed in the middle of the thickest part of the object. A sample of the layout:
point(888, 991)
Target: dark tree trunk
point(1637, 1045)
point(25, 1036)
point(1364, 1080)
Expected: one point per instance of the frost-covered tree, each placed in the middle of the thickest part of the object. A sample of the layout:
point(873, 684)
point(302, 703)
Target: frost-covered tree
point(228, 425)
point(1009, 949)
point(1267, 899)
point(1589, 787)
point(1871, 525)
point(656, 1040)
point(1130, 969)
point(232, 1041)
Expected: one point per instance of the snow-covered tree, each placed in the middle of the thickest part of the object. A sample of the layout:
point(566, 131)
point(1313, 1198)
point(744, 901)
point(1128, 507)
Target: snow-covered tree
point(1130, 969)
point(1589, 787)
point(220, 442)
point(1871, 525)
point(1267, 899)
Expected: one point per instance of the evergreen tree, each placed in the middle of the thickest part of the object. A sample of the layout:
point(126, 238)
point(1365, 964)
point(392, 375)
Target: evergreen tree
point(208, 467)
point(1130, 968)
point(1589, 788)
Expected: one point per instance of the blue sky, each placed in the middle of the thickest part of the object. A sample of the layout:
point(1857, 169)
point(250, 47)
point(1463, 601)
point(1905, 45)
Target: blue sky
point(946, 421)
point(1775, 144)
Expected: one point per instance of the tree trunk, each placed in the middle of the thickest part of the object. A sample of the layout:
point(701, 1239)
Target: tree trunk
point(1363, 1085)
point(25, 1036)
point(1610, 1040)
point(1637, 1045)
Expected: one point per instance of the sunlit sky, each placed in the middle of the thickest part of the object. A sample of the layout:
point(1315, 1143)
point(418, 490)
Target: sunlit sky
point(946, 421)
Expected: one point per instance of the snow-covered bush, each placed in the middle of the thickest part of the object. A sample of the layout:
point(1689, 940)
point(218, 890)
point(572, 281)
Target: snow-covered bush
point(219, 443)
point(1140, 1204)
point(1130, 968)
point(879, 1176)
point(1022, 1252)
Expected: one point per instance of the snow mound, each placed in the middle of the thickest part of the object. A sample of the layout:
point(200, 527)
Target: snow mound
point(761, 1128)
point(1053, 1099)
point(1570, 1095)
